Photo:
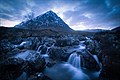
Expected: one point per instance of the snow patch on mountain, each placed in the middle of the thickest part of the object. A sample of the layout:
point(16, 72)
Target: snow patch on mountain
point(48, 20)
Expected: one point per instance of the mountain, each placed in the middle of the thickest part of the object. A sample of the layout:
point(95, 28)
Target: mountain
point(48, 20)
point(117, 29)
point(94, 30)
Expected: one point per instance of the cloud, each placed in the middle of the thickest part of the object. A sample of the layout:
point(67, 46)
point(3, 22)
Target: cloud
point(95, 14)
point(78, 14)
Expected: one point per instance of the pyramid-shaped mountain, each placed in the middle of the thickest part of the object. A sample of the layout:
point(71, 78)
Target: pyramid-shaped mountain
point(48, 20)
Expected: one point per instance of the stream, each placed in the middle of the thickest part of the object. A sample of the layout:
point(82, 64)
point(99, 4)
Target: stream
point(70, 70)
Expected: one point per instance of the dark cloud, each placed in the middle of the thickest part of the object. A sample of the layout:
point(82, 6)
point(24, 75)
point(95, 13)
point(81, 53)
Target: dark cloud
point(77, 13)
point(96, 13)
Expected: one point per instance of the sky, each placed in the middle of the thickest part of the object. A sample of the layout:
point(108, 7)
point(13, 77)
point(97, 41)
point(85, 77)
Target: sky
point(78, 14)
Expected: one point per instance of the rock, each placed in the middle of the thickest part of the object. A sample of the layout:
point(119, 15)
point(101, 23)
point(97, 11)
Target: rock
point(5, 46)
point(11, 68)
point(63, 42)
point(110, 68)
point(109, 56)
point(89, 62)
point(43, 50)
point(39, 76)
point(36, 63)
point(27, 43)
point(50, 64)
point(35, 42)
point(58, 54)
point(92, 46)
point(76, 42)
point(23, 76)
point(48, 40)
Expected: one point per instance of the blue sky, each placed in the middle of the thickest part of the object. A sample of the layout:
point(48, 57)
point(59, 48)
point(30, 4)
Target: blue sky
point(78, 14)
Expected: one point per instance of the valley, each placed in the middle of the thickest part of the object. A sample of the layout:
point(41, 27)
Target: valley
point(43, 49)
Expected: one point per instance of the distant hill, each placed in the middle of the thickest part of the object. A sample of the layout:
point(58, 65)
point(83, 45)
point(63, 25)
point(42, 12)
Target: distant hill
point(48, 20)
point(117, 29)
point(94, 30)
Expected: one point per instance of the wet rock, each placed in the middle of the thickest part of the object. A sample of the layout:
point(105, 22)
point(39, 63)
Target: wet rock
point(36, 63)
point(23, 76)
point(5, 46)
point(48, 41)
point(39, 76)
point(76, 42)
point(92, 46)
point(89, 62)
point(63, 42)
point(35, 42)
point(109, 56)
point(43, 50)
point(11, 68)
point(58, 54)
point(27, 43)
point(110, 68)
point(23, 45)
point(50, 64)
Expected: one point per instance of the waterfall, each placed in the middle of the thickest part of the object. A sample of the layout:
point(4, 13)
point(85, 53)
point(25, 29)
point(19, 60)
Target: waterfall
point(47, 51)
point(96, 59)
point(75, 60)
point(38, 50)
point(24, 42)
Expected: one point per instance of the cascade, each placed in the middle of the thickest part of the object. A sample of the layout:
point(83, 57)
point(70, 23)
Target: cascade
point(38, 50)
point(97, 60)
point(75, 60)
point(47, 51)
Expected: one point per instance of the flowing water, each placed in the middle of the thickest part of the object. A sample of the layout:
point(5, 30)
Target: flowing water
point(38, 50)
point(70, 70)
point(96, 59)
point(75, 60)
point(24, 55)
point(65, 71)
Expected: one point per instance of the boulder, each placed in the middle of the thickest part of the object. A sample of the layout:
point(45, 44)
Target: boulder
point(92, 46)
point(109, 56)
point(39, 76)
point(76, 42)
point(110, 68)
point(36, 63)
point(89, 62)
point(5, 46)
point(43, 50)
point(11, 68)
point(58, 54)
point(62, 42)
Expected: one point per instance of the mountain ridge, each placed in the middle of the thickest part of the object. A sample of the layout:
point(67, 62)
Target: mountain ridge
point(48, 20)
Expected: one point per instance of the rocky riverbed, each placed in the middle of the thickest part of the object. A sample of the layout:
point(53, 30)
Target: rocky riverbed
point(58, 57)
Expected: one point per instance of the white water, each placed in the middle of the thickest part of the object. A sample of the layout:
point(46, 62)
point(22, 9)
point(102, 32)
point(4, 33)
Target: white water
point(38, 50)
point(47, 51)
point(64, 71)
point(75, 60)
point(96, 59)
point(78, 48)
point(82, 46)
point(24, 55)
point(23, 43)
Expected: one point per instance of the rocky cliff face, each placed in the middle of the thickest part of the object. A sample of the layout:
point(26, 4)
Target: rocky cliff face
point(48, 20)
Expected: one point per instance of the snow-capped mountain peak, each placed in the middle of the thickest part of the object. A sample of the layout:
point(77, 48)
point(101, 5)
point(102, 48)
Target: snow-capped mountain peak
point(48, 20)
